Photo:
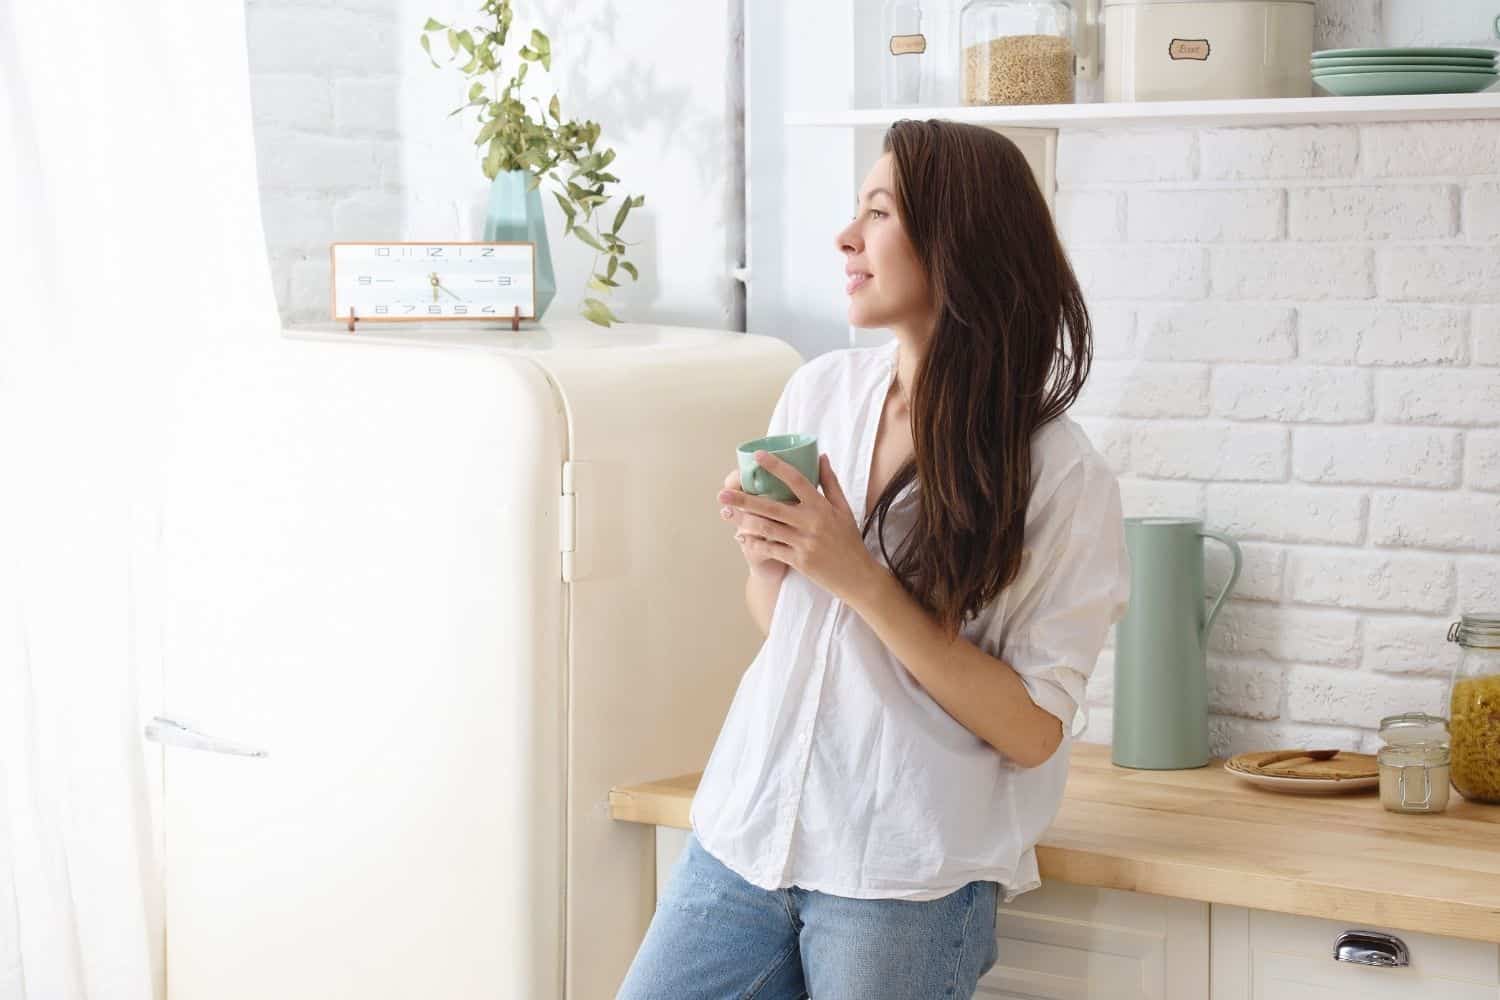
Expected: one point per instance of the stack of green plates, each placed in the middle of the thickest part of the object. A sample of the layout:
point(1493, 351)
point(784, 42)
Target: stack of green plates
point(1363, 72)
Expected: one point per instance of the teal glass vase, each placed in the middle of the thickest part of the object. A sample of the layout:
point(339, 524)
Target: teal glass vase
point(514, 215)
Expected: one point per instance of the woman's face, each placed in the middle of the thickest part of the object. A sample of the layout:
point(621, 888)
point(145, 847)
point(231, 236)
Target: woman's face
point(885, 282)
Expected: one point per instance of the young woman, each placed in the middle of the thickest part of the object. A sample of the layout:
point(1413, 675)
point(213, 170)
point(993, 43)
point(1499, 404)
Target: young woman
point(932, 615)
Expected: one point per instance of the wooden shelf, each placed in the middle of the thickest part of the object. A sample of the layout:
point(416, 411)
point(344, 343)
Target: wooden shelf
point(1203, 114)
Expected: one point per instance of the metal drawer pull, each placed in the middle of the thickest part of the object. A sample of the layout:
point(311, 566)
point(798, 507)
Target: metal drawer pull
point(1371, 948)
point(169, 732)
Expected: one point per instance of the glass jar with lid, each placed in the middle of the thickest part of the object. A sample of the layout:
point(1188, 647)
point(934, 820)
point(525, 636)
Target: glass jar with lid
point(901, 62)
point(1414, 763)
point(1017, 51)
point(1474, 707)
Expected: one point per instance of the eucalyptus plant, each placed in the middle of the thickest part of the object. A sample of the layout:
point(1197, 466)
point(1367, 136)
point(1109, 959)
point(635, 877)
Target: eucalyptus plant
point(545, 145)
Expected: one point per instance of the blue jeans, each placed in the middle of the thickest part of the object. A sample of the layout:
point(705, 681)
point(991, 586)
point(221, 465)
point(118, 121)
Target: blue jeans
point(715, 936)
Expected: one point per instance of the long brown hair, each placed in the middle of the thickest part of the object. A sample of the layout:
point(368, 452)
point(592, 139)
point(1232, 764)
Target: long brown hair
point(1011, 350)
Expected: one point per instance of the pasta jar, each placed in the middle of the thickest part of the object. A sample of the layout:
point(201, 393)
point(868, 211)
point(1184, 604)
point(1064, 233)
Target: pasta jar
point(1474, 708)
point(1017, 51)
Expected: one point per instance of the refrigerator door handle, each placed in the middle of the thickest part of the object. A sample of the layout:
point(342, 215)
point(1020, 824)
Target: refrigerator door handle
point(169, 732)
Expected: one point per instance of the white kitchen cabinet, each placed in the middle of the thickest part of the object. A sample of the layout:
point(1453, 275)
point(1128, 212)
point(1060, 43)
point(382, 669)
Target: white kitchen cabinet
point(1073, 942)
point(1264, 955)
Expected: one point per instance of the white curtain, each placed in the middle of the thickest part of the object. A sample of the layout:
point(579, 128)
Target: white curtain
point(130, 238)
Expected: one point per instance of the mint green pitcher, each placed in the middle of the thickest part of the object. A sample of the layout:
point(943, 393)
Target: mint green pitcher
point(1161, 674)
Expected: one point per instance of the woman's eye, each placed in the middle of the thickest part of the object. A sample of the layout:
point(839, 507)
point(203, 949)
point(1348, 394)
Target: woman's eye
point(876, 211)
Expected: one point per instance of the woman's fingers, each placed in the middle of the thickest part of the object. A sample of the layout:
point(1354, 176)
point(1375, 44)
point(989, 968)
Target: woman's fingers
point(771, 510)
point(760, 549)
point(788, 474)
point(832, 488)
point(760, 527)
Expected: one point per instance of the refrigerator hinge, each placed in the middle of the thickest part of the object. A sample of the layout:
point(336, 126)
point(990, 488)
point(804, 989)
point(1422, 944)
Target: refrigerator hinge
point(567, 521)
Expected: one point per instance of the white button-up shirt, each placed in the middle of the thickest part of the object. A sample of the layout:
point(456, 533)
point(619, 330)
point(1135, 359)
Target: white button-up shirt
point(834, 769)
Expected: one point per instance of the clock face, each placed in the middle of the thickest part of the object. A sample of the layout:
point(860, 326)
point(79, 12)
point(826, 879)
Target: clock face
point(389, 282)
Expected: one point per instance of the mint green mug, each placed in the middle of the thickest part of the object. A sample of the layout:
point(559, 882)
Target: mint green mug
point(799, 450)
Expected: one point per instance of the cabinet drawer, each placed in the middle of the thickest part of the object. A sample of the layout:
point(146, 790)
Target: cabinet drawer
point(1262, 955)
point(1070, 942)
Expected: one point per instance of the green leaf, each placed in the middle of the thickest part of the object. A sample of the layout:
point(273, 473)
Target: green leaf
point(590, 239)
point(467, 41)
point(625, 265)
point(453, 40)
point(488, 132)
point(566, 205)
point(521, 73)
point(539, 41)
point(620, 216)
point(474, 92)
point(554, 110)
point(427, 47)
point(614, 262)
point(547, 61)
point(526, 53)
point(597, 284)
point(433, 25)
point(639, 200)
point(598, 312)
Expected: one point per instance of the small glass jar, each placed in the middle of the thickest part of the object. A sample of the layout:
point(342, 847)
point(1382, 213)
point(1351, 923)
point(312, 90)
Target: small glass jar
point(1414, 777)
point(901, 63)
point(1474, 707)
point(1017, 52)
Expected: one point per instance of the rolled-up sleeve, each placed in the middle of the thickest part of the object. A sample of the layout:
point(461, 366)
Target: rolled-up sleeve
point(1083, 587)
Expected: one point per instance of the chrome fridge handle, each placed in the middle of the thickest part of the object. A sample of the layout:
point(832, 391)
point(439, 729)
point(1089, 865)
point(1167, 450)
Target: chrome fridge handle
point(169, 732)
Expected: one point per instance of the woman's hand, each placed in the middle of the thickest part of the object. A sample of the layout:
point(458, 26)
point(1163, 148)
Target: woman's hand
point(759, 564)
point(818, 536)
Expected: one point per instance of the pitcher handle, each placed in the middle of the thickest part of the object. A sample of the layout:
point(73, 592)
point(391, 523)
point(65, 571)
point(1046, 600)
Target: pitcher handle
point(1234, 574)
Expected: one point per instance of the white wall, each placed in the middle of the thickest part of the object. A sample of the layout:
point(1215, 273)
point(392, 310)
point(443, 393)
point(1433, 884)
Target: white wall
point(354, 142)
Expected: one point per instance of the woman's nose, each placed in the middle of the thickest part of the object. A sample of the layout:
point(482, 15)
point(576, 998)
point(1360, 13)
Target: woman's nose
point(847, 239)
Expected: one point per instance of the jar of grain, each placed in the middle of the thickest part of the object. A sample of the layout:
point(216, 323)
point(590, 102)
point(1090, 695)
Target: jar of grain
point(1474, 708)
point(1017, 52)
point(1414, 763)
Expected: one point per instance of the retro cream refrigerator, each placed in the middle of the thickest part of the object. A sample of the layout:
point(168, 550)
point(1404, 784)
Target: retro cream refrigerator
point(430, 595)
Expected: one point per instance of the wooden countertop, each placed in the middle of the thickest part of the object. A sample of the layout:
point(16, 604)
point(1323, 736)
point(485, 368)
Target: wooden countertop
point(1202, 834)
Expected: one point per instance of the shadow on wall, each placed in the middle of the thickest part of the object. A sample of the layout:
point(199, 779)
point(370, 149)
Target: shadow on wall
point(604, 72)
point(327, 137)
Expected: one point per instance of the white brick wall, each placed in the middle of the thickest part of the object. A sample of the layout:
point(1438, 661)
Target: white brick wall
point(327, 135)
point(1299, 341)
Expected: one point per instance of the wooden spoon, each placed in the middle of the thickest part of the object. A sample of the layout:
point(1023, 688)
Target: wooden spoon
point(1286, 755)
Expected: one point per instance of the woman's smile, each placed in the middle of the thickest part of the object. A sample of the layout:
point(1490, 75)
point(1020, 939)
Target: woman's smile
point(856, 281)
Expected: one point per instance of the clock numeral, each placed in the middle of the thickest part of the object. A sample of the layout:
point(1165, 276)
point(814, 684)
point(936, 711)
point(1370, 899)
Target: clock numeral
point(488, 252)
point(504, 281)
point(411, 309)
point(460, 310)
point(382, 310)
point(364, 279)
point(488, 309)
point(434, 251)
point(382, 251)
point(435, 310)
